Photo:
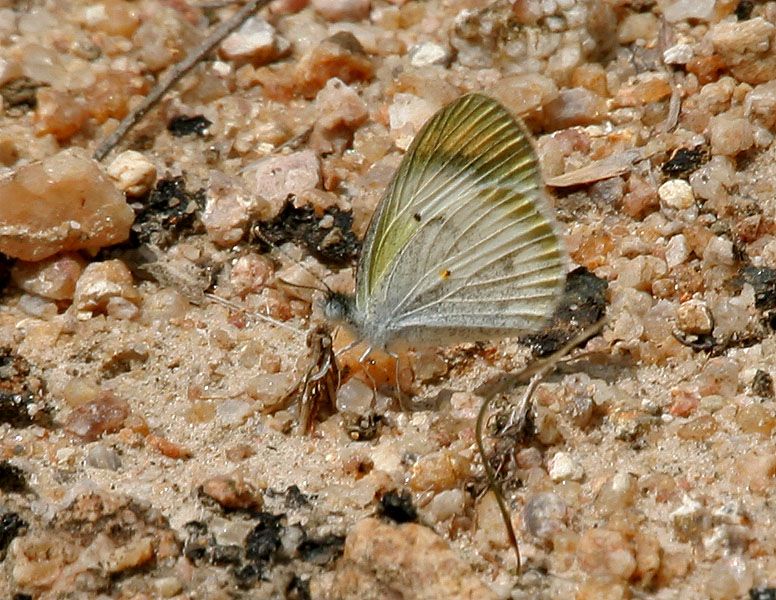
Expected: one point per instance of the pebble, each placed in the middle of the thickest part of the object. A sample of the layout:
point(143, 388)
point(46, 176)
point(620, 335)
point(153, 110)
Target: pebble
point(682, 10)
point(342, 10)
point(37, 307)
point(100, 456)
point(232, 492)
point(278, 178)
point(575, 107)
point(545, 514)
point(427, 54)
point(256, 41)
point(564, 467)
point(745, 46)
point(438, 471)
point(91, 420)
point(53, 278)
point(690, 520)
point(445, 505)
point(675, 195)
point(678, 54)
point(341, 56)
point(250, 273)
point(730, 135)
point(640, 272)
point(355, 396)
point(230, 209)
point(406, 115)
point(106, 288)
point(677, 251)
point(62, 203)
point(340, 111)
point(694, 317)
point(719, 251)
point(59, 114)
point(167, 587)
point(133, 555)
point(525, 93)
point(605, 552)
point(404, 561)
point(133, 173)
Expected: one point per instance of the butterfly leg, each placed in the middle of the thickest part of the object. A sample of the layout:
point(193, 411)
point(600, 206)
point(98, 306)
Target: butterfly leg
point(402, 404)
point(362, 361)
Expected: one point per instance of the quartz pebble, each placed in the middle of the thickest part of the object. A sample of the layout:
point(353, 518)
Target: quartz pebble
point(745, 46)
point(404, 561)
point(250, 273)
point(730, 135)
point(53, 278)
point(62, 203)
point(230, 208)
point(564, 467)
point(232, 492)
point(100, 456)
point(340, 112)
point(341, 56)
point(545, 515)
point(406, 115)
point(694, 317)
point(681, 10)
point(91, 420)
point(256, 41)
point(574, 107)
point(675, 195)
point(133, 173)
point(106, 287)
point(606, 552)
point(342, 10)
point(426, 54)
point(277, 178)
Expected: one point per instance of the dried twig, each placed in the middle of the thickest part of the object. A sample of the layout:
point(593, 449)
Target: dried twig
point(175, 74)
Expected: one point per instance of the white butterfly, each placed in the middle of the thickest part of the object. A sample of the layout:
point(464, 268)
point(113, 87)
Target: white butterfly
point(463, 245)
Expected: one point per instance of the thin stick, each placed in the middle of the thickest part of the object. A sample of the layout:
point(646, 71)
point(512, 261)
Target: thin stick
point(175, 74)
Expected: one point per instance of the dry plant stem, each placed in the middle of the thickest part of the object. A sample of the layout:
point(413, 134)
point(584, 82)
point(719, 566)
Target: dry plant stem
point(175, 74)
point(536, 372)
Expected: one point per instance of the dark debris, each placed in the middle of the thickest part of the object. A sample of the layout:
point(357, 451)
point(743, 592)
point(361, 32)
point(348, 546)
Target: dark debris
point(684, 161)
point(322, 551)
point(13, 480)
point(169, 213)
point(744, 10)
point(11, 524)
point(583, 304)
point(362, 428)
point(763, 280)
point(182, 125)
point(762, 593)
point(298, 589)
point(762, 384)
point(20, 92)
point(20, 400)
point(397, 506)
point(335, 246)
point(263, 541)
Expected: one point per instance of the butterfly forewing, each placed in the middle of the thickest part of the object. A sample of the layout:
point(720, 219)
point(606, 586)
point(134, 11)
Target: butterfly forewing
point(464, 239)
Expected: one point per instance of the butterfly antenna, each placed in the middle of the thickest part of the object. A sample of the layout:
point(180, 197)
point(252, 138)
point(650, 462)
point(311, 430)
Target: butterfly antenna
point(236, 307)
point(299, 263)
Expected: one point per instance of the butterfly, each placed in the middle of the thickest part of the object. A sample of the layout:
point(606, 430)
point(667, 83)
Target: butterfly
point(463, 245)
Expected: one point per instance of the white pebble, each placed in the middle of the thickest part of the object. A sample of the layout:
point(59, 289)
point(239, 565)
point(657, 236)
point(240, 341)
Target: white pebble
point(564, 467)
point(677, 251)
point(676, 194)
point(427, 54)
point(679, 54)
point(133, 173)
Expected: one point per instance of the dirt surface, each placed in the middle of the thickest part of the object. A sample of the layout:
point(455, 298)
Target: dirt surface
point(150, 398)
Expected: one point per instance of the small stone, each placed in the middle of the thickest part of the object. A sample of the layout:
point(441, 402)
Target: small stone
point(355, 396)
point(757, 469)
point(682, 10)
point(278, 178)
point(638, 26)
point(53, 278)
point(37, 307)
point(256, 41)
point(677, 251)
point(525, 93)
point(342, 10)
point(698, 429)
point(639, 273)
point(545, 515)
point(106, 288)
point(745, 47)
point(730, 135)
point(762, 384)
point(168, 448)
point(757, 419)
point(719, 251)
point(679, 54)
point(135, 554)
point(564, 467)
point(91, 420)
point(574, 107)
point(250, 273)
point(761, 103)
point(62, 203)
point(100, 456)
point(690, 520)
point(232, 492)
point(340, 112)
point(675, 195)
point(441, 470)
point(133, 173)
point(406, 115)
point(59, 114)
point(694, 317)
point(426, 54)
point(402, 561)
point(618, 493)
point(445, 505)
point(234, 411)
point(230, 209)
point(643, 89)
point(167, 587)
point(607, 553)
point(341, 56)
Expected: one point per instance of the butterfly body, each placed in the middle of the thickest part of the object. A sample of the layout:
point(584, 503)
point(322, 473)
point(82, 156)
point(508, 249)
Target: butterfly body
point(463, 245)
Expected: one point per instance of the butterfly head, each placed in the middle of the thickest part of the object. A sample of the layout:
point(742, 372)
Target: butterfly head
point(339, 308)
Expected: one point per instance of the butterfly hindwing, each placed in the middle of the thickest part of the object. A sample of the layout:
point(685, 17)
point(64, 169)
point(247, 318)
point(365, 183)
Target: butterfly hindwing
point(464, 236)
